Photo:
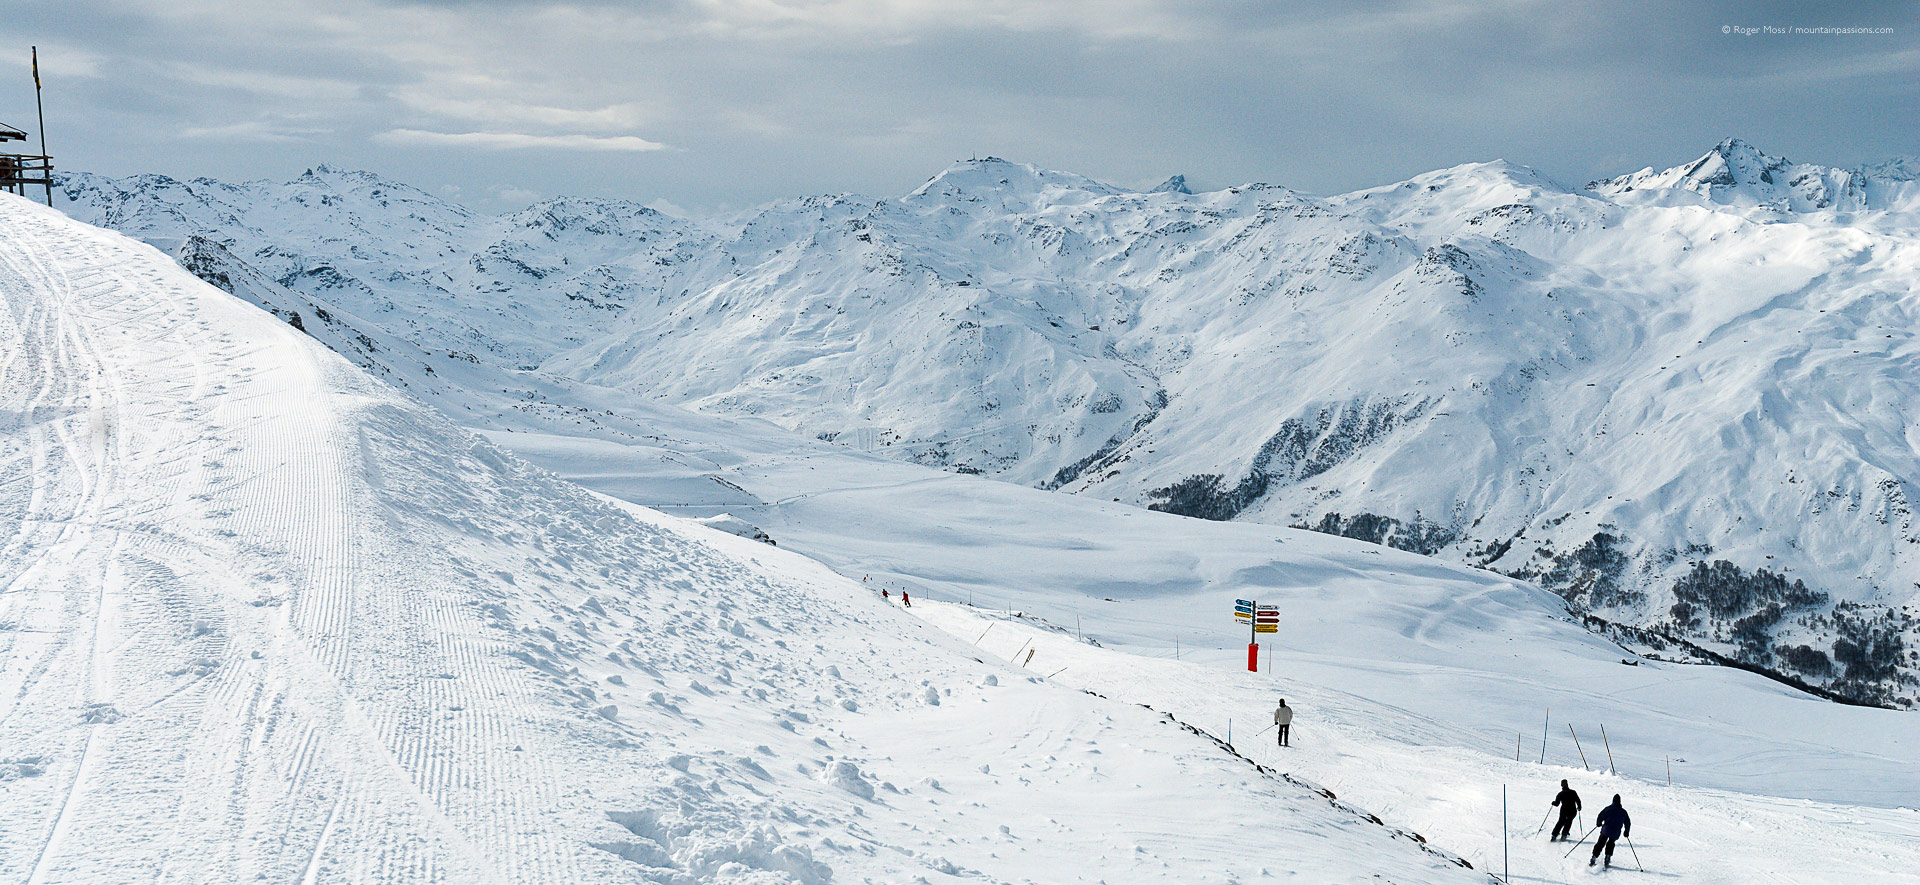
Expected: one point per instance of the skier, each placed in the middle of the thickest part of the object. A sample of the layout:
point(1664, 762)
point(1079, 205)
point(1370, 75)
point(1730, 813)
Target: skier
point(904, 600)
point(1569, 802)
point(1283, 722)
point(884, 595)
point(1613, 823)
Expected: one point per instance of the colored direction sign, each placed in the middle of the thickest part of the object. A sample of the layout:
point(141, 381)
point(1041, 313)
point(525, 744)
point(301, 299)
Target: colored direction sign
point(1262, 619)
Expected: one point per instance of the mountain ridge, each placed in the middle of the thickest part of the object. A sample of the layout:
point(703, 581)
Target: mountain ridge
point(1257, 353)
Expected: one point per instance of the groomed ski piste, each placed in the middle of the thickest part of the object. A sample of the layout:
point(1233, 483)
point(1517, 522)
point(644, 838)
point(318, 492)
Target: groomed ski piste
point(1413, 679)
point(264, 618)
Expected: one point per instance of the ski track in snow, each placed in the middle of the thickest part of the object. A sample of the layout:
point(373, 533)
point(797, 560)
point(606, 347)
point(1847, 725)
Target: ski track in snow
point(264, 619)
point(118, 581)
point(1363, 752)
point(1417, 673)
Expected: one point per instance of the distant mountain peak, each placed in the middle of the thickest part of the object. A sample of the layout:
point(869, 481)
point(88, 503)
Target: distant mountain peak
point(1005, 181)
point(1174, 185)
point(1734, 145)
point(1735, 163)
point(1735, 173)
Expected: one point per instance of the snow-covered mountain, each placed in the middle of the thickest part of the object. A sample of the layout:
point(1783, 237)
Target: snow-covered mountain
point(263, 617)
point(1737, 174)
point(1676, 399)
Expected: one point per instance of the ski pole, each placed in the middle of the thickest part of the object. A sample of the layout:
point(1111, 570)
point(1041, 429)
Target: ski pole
point(1264, 730)
point(1543, 821)
point(1636, 854)
point(1576, 845)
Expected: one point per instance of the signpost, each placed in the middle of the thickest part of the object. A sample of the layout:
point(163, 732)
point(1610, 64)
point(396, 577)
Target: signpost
point(1259, 619)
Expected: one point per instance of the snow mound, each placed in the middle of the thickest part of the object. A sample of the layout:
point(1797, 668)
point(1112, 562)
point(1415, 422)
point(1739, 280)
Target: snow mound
point(734, 525)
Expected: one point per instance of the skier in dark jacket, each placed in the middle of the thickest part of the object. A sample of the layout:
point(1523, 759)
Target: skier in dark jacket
point(1569, 802)
point(1613, 823)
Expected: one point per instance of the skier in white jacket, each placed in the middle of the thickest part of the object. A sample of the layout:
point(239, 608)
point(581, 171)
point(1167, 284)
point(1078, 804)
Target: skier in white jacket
point(1283, 722)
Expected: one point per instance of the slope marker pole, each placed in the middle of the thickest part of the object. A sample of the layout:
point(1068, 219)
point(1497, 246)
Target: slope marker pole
point(1603, 739)
point(1543, 736)
point(1516, 746)
point(1576, 745)
point(1504, 865)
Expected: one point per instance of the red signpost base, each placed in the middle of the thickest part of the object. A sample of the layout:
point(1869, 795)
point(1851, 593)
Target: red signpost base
point(1253, 657)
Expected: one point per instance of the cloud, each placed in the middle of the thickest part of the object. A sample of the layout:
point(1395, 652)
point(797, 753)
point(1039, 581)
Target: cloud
point(520, 140)
point(515, 196)
point(504, 110)
point(761, 99)
point(253, 130)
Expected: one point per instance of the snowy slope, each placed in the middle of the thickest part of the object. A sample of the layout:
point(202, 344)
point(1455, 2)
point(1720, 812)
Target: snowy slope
point(263, 617)
point(1677, 399)
point(1414, 679)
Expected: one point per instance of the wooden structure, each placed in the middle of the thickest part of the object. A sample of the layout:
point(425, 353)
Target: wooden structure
point(18, 172)
point(21, 171)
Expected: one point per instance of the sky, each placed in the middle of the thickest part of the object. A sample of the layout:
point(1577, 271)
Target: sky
point(701, 106)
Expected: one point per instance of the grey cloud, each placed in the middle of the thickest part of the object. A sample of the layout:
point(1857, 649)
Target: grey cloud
point(874, 97)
